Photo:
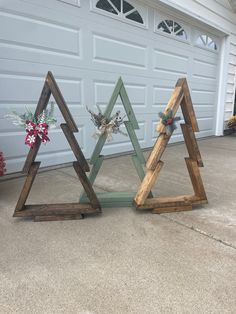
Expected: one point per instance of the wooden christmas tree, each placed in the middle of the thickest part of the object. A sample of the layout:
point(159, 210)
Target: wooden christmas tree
point(41, 212)
point(180, 97)
point(117, 199)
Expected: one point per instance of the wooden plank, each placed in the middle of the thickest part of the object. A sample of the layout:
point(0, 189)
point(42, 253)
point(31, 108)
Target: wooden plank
point(134, 140)
point(92, 176)
point(75, 147)
point(31, 155)
point(157, 151)
point(115, 196)
point(172, 209)
point(138, 166)
point(174, 103)
point(147, 184)
point(61, 102)
point(55, 209)
point(196, 179)
point(187, 108)
point(27, 186)
point(119, 204)
point(57, 218)
point(42, 104)
point(113, 98)
point(140, 170)
point(191, 143)
point(167, 201)
point(98, 148)
point(86, 185)
point(128, 108)
point(43, 99)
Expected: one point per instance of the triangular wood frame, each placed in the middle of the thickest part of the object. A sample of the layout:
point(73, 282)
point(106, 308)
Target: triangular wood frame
point(63, 211)
point(118, 199)
point(180, 97)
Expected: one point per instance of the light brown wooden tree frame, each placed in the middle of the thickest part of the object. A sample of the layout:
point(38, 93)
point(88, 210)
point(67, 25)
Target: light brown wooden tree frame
point(180, 97)
point(63, 211)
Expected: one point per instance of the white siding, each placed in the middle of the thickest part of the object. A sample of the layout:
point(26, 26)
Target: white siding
point(219, 14)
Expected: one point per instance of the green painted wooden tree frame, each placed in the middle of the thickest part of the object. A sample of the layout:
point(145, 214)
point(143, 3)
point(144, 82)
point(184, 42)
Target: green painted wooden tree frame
point(117, 199)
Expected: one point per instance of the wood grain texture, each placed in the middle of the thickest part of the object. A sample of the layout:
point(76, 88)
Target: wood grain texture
point(92, 176)
point(61, 102)
point(55, 209)
point(167, 201)
point(172, 209)
point(188, 109)
point(75, 147)
point(196, 179)
point(86, 185)
point(174, 103)
point(157, 151)
point(147, 183)
point(191, 144)
point(63, 211)
point(58, 218)
point(27, 186)
point(42, 105)
point(180, 97)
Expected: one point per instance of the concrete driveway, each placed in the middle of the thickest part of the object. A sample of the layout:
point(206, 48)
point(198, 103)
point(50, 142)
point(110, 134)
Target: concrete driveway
point(124, 261)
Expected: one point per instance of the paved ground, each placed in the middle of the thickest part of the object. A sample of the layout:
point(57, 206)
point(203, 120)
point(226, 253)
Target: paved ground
point(124, 261)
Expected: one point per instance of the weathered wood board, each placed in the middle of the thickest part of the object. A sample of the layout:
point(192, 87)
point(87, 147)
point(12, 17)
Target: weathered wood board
point(179, 98)
point(65, 211)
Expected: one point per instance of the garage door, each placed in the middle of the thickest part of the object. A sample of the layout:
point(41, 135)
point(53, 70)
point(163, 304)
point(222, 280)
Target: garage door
point(88, 47)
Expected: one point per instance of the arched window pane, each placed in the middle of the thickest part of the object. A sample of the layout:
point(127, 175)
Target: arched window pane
point(172, 27)
point(135, 16)
point(127, 7)
point(117, 4)
point(206, 41)
point(105, 5)
point(114, 7)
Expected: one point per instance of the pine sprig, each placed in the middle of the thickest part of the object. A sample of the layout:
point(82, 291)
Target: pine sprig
point(45, 117)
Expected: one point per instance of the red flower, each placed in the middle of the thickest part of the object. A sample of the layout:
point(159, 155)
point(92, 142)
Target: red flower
point(169, 121)
point(33, 130)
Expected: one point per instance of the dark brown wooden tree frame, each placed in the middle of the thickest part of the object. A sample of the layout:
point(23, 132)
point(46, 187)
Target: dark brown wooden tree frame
point(180, 97)
point(63, 211)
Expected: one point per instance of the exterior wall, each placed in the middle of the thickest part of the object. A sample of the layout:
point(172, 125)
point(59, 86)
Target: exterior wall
point(220, 15)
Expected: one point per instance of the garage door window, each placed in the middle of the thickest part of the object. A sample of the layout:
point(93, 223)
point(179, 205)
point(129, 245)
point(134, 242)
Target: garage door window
point(173, 28)
point(206, 42)
point(121, 8)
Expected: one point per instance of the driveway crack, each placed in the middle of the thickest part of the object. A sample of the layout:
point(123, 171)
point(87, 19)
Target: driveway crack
point(208, 235)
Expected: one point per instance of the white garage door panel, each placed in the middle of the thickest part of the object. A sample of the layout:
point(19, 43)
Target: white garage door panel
point(203, 97)
point(170, 61)
point(204, 111)
point(87, 52)
point(114, 51)
point(137, 95)
point(28, 88)
point(204, 70)
point(161, 95)
point(30, 29)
